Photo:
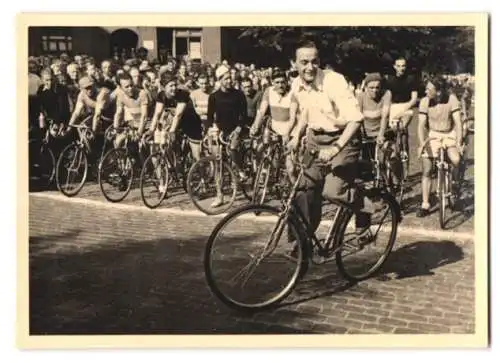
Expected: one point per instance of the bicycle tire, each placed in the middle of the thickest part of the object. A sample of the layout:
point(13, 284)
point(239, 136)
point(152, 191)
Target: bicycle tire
point(47, 158)
point(442, 198)
point(143, 178)
point(247, 186)
point(187, 162)
point(265, 165)
point(191, 192)
point(80, 152)
point(347, 214)
point(115, 154)
point(302, 260)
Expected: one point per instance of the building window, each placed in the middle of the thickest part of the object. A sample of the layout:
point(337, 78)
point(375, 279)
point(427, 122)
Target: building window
point(187, 42)
point(57, 43)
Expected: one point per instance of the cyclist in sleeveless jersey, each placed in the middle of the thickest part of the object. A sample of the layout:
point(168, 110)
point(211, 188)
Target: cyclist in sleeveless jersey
point(92, 100)
point(439, 112)
point(375, 105)
point(278, 99)
point(131, 106)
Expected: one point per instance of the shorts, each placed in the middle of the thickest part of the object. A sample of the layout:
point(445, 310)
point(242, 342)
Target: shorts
point(395, 109)
point(432, 148)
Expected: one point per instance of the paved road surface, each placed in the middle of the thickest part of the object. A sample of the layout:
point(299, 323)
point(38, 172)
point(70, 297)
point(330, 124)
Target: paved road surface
point(140, 272)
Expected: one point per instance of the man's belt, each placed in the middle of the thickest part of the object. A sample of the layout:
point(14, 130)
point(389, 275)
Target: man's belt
point(327, 133)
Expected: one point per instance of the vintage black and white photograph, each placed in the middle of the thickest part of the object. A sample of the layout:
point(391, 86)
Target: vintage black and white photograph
point(261, 180)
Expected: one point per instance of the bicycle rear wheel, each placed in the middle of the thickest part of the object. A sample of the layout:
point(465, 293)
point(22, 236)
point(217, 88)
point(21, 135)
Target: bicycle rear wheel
point(202, 181)
point(115, 175)
point(246, 260)
point(154, 180)
point(381, 234)
point(71, 170)
point(43, 166)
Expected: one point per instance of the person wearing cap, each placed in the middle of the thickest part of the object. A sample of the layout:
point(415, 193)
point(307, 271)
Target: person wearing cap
point(92, 101)
point(131, 107)
point(278, 100)
point(330, 117)
point(227, 111)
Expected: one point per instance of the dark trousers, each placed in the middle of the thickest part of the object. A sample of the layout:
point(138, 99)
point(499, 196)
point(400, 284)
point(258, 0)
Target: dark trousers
point(335, 181)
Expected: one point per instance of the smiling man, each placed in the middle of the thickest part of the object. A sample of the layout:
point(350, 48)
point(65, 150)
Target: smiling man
point(331, 115)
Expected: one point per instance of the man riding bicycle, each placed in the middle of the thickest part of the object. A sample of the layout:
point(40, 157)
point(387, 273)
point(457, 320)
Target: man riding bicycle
point(330, 113)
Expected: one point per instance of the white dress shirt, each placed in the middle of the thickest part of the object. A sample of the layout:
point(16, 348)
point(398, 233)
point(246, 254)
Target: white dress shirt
point(330, 95)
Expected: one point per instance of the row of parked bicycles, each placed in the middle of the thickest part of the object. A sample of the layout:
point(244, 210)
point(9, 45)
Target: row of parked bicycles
point(157, 169)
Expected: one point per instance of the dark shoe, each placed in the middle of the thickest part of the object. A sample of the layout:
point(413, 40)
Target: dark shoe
point(422, 212)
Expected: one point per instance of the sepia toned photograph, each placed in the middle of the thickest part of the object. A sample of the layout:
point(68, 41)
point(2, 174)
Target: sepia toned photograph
point(228, 180)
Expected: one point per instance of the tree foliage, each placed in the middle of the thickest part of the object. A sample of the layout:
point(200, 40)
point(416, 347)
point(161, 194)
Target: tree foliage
point(430, 49)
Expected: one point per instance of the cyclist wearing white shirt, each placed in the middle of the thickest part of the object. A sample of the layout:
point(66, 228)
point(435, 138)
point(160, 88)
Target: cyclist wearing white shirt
point(330, 113)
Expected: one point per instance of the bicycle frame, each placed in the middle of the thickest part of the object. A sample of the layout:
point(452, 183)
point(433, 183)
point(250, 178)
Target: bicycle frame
point(291, 209)
point(441, 163)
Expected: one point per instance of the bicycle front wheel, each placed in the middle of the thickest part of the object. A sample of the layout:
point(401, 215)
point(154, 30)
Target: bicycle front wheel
point(154, 180)
point(361, 254)
point(247, 258)
point(71, 170)
point(211, 185)
point(261, 181)
point(116, 174)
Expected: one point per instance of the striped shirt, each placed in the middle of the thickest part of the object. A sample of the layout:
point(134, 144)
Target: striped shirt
point(372, 111)
point(279, 105)
point(200, 102)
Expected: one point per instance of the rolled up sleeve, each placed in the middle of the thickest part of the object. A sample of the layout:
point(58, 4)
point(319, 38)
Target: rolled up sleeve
point(345, 100)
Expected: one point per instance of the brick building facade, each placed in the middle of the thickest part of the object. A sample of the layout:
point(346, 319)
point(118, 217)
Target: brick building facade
point(203, 43)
